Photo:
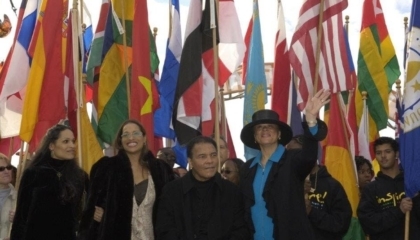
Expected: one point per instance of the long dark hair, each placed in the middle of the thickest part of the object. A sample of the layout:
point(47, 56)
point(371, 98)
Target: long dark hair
point(73, 175)
point(118, 140)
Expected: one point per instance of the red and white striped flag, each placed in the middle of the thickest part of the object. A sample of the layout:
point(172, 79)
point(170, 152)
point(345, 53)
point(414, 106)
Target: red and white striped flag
point(332, 73)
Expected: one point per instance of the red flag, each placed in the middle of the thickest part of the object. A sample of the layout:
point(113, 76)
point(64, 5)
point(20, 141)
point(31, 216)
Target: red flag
point(9, 146)
point(282, 81)
point(141, 81)
point(46, 76)
point(247, 41)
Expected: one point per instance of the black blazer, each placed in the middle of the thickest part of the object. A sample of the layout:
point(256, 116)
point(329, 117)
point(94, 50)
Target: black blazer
point(283, 190)
point(174, 220)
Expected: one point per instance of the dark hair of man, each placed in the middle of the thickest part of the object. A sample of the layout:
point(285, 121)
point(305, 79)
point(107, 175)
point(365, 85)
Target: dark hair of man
point(197, 140)
point(360, 161)
point(72, 173)
point(238, 162)
point(118, 140)
point(386, 140)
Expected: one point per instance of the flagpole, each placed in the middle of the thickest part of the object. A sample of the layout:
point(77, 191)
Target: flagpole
point(318, 48)
point(23, 155)
point(213, 16)
point(76, 72)
point(168, 142)
point(351, 91)
point(125, 61)
point(398, 82)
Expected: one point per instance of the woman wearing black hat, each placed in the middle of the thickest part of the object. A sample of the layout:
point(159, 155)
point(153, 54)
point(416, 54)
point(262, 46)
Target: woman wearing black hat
point(272, 182)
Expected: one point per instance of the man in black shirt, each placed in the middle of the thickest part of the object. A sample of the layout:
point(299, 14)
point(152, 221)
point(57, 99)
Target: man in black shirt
point(201, 205)
point(383, 204)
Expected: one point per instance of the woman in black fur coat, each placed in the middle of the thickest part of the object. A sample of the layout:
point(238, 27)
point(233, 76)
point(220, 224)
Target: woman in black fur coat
point(124, 188)
point(50, 191)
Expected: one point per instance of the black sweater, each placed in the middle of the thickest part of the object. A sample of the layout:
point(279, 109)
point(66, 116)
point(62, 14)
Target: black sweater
point(379, 209)
point(331, 212)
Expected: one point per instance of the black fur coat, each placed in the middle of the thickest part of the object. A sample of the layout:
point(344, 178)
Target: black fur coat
point(40, 212)
point(112, 188)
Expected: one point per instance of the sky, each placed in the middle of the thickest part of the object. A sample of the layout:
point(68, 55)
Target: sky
point(394, 11)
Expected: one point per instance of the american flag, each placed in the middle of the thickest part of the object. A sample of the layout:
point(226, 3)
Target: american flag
point(333, 70)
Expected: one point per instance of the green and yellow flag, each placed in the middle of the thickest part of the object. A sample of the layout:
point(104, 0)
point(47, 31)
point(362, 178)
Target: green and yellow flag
point(112, 88)
point(378, 67)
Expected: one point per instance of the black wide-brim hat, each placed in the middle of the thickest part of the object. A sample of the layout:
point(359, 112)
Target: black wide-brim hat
point(263, 117)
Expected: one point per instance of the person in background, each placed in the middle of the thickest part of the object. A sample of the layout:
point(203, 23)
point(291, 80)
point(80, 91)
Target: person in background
point(383, 203)
point(230, 170)
point(296, 142)
point(224, 150)
point(201, 205)
point(7, 197)
point(272, 182)
point(167, 155)
point(364, 171)
point(329, 210)
point(124, 188)
point(51, 190)
point(180, 171)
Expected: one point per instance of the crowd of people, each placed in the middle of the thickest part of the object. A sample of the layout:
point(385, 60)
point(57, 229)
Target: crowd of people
point(281, 193)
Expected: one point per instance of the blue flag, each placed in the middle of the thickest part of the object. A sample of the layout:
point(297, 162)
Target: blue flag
point(168, 81)
point(410, 117)
point(255, 82)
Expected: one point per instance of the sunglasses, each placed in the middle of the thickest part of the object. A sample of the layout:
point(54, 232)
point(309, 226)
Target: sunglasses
point(9, 167)
point(226, 171)
point(135, 134)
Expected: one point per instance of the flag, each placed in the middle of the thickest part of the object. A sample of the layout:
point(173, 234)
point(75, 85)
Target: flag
point(410, 124)
point(339, 161)
point(350, 96)
point(363, 135)
point(283, 88)
point(9, 146)
point(256, 84)
point(96, 54)
point(87, 36)
point(377, 66)
point(231, 46)
point(17, 64)
point(46, 76)
point(91, 151)
point(112, 105)
point(331, 73)
point(168, 80)
point(141, 77)
point(247, 41)
point(282, 79)
point(209, 24)
point(188, 107)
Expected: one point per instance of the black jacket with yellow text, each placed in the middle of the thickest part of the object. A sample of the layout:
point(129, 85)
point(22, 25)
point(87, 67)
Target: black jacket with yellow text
point(379, 209)
point(331, 212)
